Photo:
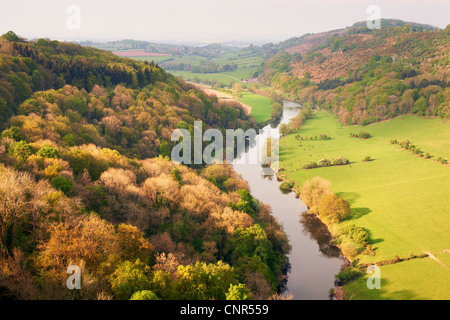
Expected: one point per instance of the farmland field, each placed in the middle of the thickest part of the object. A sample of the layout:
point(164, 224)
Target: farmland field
point(402, 200)
point(418, 279)
point(261, 105)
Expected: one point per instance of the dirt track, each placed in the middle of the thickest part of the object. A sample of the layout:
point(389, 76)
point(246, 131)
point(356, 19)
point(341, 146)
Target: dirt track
point(223, 97)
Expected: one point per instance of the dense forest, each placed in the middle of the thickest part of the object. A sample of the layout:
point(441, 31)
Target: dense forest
point(86, 179)
point(364, 75)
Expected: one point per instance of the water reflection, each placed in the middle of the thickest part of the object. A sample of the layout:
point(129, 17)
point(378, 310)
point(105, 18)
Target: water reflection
point(316, 230)
point(313, 262)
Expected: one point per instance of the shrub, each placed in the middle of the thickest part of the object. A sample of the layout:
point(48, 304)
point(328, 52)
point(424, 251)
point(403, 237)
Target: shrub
point(367, 158)
point(310, 165)
point(324, 163)
point(364, 135)
point(341, 161)
point(287, 185)
point(405, 144)
point(349, 250)
point(358, 234)
point(348, 274)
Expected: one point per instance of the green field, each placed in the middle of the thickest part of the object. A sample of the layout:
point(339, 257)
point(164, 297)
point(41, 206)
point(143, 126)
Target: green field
point(225, 77)
point(403, 201)
point(261, 105)
point(418, 279)
point(247, 65)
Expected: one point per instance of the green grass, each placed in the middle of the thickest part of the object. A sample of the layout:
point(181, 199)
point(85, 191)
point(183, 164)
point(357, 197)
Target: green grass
point(403, 201)
point(261, 105)
point(418, 279)
point(156, 59)
point(225, 77)
point(247, 65)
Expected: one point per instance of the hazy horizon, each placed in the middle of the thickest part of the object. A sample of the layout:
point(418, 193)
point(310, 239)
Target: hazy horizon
point(166, 21)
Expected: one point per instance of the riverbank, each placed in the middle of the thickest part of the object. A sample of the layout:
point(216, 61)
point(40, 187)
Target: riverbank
point(313, 261)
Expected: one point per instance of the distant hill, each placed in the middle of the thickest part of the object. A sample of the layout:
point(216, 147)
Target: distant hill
point(366, 75)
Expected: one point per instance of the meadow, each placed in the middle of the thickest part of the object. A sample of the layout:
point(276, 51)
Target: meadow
point(247, 65)
point(400, 199)
point(261, 105)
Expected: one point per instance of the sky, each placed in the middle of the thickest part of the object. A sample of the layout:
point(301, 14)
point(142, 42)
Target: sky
point(203, 20)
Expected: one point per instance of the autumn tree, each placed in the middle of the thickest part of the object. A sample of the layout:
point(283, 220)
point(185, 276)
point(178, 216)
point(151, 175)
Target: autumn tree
point(334, 208)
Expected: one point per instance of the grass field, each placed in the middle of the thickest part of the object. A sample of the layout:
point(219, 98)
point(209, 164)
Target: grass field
point(403, 201)
point(418, 279)
point(261, 105)
point(247, 66)
point(225, 77)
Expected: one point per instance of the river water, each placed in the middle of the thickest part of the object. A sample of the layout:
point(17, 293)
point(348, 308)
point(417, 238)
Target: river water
point(313, 262)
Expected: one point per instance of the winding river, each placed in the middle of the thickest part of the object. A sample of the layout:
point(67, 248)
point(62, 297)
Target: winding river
point(313, 262)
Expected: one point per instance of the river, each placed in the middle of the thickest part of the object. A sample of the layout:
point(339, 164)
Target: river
point(313, 262)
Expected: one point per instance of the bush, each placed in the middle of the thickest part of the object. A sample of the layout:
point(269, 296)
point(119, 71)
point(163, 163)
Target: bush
point(310, 165)
point(323, 136)
point(341, 161)
point(348, 274)
point(367, 158)
point(349, 250)
point(287, 185)
point(358, 234)
point(364, 135)
point(324, 163)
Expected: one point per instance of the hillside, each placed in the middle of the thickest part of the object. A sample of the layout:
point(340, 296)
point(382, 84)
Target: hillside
point(365, 75)
point(86, 180)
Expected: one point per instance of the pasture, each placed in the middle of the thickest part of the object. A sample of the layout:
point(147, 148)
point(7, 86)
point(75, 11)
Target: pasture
point(402, 200)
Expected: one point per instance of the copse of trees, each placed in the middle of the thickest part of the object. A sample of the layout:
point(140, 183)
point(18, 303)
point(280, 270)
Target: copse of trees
point(332, 209)
point(339, 161)
point(414, 150)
